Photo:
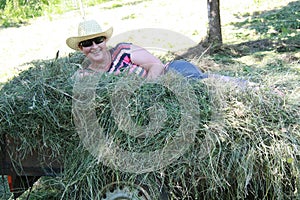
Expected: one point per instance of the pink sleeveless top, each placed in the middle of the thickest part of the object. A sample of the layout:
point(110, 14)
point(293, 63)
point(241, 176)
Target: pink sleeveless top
point(121, 61)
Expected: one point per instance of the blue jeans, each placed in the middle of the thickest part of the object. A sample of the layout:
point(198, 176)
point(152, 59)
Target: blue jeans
point(186, 69)
point(191, 71)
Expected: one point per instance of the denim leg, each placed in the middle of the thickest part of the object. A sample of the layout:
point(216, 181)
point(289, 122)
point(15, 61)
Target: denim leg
point(191, 71)
point(186, 69)
point(237, 81)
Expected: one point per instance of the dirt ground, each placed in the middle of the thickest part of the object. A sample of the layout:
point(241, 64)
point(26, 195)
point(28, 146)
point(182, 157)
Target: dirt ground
point(44, 36)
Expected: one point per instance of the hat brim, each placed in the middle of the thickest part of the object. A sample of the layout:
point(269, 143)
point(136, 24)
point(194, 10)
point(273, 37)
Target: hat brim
point(73, 42)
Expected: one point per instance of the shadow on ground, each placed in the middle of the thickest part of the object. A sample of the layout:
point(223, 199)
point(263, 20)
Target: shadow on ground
point(279, 29)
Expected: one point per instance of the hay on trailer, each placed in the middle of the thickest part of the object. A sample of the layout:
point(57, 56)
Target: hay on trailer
point(247, 143)
point(36, 107)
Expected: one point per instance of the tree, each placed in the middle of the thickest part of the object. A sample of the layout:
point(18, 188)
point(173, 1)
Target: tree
point(213, 41)
point(214, 35)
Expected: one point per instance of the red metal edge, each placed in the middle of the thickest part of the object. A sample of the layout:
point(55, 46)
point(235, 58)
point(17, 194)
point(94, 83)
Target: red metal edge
point(10, 183)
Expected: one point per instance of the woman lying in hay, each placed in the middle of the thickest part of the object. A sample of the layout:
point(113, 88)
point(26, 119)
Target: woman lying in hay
point(127, 57)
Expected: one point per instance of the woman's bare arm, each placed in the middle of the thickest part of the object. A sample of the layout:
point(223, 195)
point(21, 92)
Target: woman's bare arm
point(147, 61)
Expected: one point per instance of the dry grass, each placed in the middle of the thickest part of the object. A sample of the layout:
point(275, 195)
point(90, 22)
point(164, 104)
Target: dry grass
point(253, 137)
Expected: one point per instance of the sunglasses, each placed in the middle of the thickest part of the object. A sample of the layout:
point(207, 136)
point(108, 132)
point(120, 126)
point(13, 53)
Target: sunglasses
point(88, 43)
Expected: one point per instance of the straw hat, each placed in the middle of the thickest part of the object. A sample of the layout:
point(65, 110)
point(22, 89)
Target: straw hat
point(88, 29)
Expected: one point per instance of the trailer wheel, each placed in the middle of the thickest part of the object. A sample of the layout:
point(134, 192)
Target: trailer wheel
point(116, 191)
point(129, 191)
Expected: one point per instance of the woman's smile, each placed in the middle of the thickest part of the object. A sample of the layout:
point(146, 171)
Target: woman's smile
point(96, 52)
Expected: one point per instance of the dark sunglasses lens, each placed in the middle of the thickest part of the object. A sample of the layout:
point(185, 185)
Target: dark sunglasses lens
point(86, 43)
point(99, 40)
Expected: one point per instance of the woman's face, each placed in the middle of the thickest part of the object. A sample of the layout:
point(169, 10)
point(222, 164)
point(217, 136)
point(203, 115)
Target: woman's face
point(95, 49)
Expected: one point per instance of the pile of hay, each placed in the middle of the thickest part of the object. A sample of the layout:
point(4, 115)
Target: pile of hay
point(246, 144)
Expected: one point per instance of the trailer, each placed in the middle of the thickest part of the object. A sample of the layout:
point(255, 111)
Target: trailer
point(23, 172)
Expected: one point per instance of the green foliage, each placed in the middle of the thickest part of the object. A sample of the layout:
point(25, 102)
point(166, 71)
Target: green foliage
point(18, 12)
point(281, 23)
point(93, 2)
point(131, 16)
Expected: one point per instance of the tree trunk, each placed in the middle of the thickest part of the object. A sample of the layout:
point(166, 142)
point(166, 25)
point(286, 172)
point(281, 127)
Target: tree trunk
point(214, 21)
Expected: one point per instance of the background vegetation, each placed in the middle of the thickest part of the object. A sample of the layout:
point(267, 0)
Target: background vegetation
point(18, 12)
